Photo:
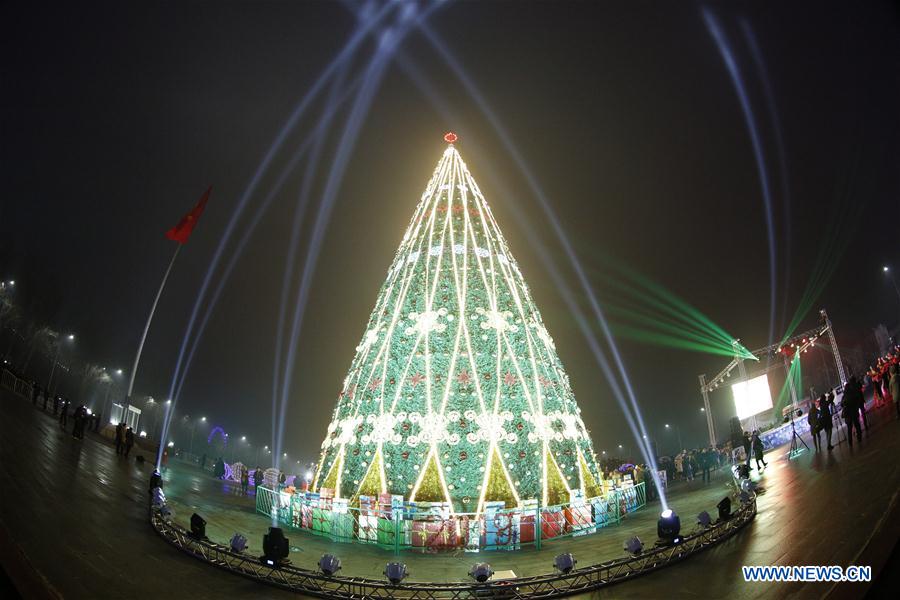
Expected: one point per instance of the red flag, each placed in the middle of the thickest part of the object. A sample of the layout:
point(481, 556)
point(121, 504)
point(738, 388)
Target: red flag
point(181, 232)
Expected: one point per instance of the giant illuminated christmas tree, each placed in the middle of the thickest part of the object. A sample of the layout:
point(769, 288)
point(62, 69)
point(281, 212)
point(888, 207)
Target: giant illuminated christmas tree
point(456, 393)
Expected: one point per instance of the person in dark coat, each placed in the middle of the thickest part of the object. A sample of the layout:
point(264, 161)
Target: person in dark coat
point(748, 444)
point(757, 445)
point(812, 417)
point(257, 477)
point(129, 441)
point(120, 438)
point(55, 404)
point(64, 414)
point(245, 480)
point(34, 393)
point(46, 398)
point(852, 400)
point(826, 414)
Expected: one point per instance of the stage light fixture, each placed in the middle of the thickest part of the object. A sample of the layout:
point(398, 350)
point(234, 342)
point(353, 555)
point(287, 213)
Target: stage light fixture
point(668, 527)
point(564, 563)
point(198, 527)
point(481, 572)
point(155, 480)
point(396, 572)
point(634, 546)
point(724, 507)
point(329, 564)
point(704, 520)
point(238, 543)
point(276, 548)
point(157, 497)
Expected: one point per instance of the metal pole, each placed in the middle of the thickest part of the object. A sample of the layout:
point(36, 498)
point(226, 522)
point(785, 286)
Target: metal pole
point(53, 368)
point(137, 358)
point(704, 390)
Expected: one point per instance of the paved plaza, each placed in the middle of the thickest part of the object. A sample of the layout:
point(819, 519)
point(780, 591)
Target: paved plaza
point(74, 524)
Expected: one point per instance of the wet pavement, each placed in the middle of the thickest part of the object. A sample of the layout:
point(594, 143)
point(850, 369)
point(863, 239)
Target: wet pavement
point(78, 514)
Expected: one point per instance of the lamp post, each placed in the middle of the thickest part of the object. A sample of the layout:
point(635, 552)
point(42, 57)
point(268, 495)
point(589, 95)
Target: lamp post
point(678, 433)
point(71, 338)
point(887, 271)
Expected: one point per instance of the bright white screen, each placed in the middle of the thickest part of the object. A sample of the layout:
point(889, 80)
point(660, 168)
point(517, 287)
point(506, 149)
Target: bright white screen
point(752, 397)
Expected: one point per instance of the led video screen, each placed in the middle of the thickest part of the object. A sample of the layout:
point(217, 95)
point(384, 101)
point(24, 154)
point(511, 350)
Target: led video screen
point(752, 397)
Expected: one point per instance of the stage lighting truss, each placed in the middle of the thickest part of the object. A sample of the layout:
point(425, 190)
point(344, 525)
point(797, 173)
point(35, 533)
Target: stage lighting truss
point(581, 580)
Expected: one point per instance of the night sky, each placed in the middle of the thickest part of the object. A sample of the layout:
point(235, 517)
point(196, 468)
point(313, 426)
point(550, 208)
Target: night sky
point(117, 116)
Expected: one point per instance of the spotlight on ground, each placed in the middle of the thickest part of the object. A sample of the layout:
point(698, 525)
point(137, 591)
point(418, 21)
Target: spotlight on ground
point(634, 546)
point(329, 564)
point(724, 507)
point(238, 543)
point(155, 480)
point(276, 548)
point(704, 520)
point(157, 497)
point(198, 527)
point(668, 527)
point(564, 563)
point(481, 572)
point(396, 572)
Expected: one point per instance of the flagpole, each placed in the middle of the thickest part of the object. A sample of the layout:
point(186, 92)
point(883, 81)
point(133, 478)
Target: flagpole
point(137, 359)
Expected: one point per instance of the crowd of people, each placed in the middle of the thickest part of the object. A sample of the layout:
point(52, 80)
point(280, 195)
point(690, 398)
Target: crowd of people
point(884, 380)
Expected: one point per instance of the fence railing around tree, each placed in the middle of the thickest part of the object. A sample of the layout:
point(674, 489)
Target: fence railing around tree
point(425, 528)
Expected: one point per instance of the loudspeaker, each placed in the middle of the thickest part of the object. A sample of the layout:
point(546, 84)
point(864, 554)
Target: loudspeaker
point(737, 432)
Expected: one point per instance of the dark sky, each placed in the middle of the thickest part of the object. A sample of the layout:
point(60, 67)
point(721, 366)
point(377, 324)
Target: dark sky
point(116, 116)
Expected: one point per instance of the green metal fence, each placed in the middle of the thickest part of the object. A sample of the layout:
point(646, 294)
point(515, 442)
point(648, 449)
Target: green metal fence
point(423, 527)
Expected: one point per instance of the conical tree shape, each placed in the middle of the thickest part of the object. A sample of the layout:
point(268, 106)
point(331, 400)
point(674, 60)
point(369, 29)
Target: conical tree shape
point(557, 491)
point(333, 479)
point(431, 487)
point(374, 482)
point(499, 486)
point(589, 484)
point(455, 360)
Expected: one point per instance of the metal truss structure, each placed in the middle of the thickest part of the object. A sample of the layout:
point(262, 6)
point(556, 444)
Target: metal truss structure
point(540, 586)
point(801, 342)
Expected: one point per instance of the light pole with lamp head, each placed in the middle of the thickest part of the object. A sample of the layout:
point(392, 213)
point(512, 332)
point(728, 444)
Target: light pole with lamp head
point(71, 338)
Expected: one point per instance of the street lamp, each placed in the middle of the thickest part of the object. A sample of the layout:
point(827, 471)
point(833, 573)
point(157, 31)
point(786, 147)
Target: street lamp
point(70, 337)
point(890, 274)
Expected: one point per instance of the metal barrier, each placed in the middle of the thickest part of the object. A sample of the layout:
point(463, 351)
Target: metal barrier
point(428, 528)
point(543, 586)
point(15, 384)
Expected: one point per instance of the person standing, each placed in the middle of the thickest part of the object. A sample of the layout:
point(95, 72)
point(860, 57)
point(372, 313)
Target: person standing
point(757, 446)
point(245, 480)
point(812, 417)
point(64, 414)
point(706, 458)
point(34, 393)
point(78, 419)
point(748, 445)
point(850, 408)
point(55, 404)
point(129, 441)
point(257, 477)
point(46, 398)
point(894, 386)
point(826, 417)
point(120, 437)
